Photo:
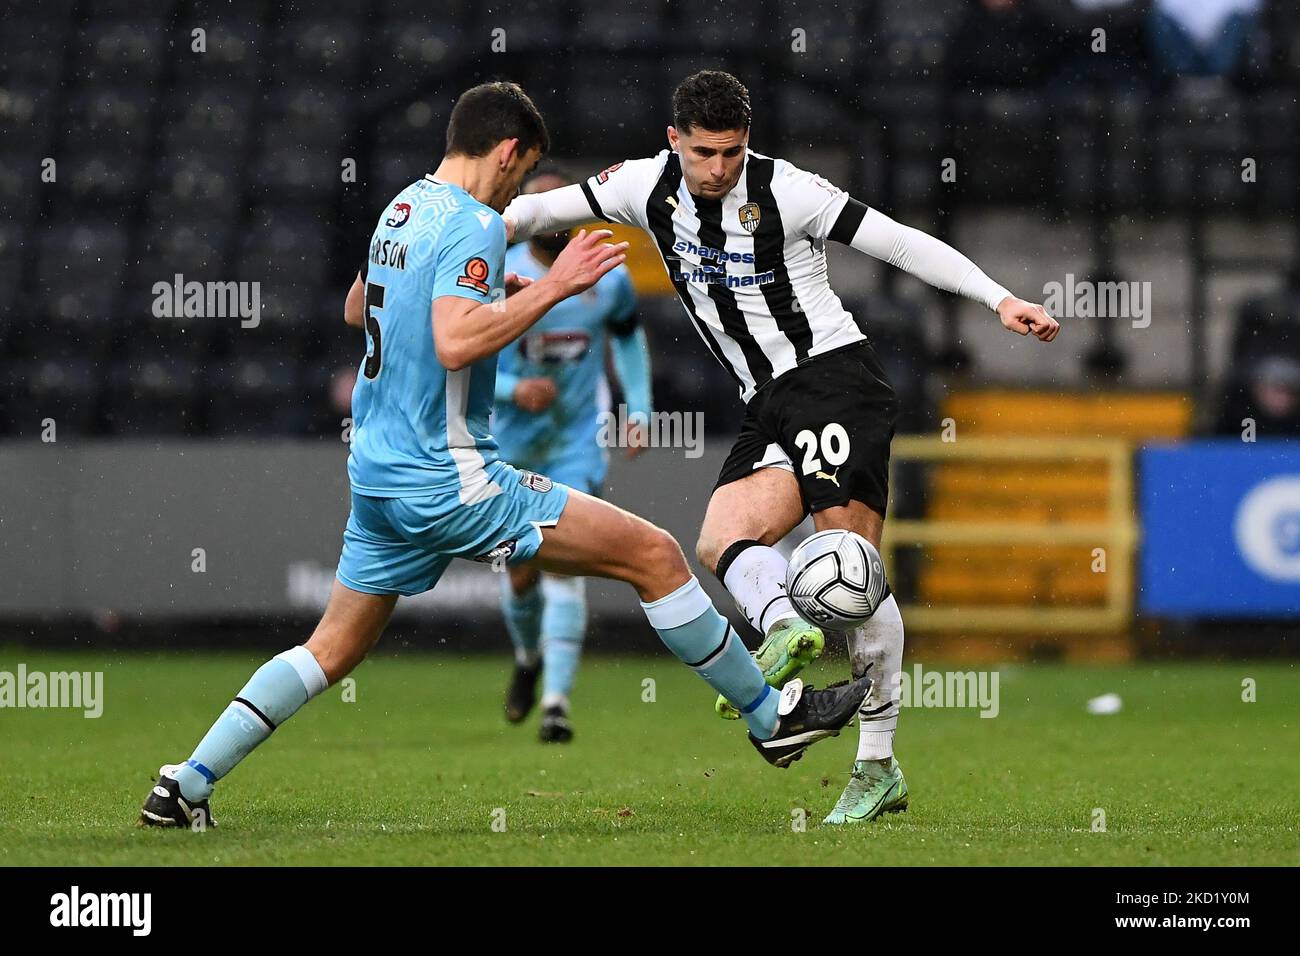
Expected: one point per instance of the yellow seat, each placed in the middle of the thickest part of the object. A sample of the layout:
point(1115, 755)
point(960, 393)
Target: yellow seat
point(1035, 493)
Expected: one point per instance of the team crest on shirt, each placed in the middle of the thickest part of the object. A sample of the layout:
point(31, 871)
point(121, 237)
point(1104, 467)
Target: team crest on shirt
point(749, 215)
point(475, 275)
point(538, 483)
point(401, 214)
point(603, 175)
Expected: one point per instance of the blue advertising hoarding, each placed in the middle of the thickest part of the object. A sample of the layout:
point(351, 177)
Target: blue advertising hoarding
point(1220, 526)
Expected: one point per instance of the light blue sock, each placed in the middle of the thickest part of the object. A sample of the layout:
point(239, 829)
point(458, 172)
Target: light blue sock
point(700, 637)
point(523, 614)
point(564, 620)
point(272, 695)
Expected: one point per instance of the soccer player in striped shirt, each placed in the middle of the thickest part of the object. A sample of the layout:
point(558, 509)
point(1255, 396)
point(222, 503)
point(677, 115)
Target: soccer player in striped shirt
point(743, 237)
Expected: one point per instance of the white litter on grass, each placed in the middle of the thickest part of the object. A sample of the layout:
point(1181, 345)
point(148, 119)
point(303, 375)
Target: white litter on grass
point(1105, 704)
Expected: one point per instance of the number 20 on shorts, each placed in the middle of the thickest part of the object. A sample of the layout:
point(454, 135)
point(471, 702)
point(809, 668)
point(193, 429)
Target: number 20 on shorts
point(833, 445)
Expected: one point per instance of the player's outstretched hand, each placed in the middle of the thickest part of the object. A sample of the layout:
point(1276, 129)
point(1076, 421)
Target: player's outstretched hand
point(585, 259)
point(1024, 317)
point(535, 394)
point(636, 439)
point(516, 283)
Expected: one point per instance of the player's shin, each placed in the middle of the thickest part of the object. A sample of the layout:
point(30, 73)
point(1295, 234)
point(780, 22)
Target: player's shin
point(879, 644)
point(523, 614)
point(691, 627)
point(755, 575)
point(272, 695)
point(563, 622)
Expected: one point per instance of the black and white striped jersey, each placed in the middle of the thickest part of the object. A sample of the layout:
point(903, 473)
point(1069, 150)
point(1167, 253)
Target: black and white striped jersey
point(750, 268)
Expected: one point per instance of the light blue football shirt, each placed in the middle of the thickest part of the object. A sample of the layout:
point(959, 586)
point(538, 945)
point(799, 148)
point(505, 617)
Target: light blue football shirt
point(417, 428)
point(566, 345)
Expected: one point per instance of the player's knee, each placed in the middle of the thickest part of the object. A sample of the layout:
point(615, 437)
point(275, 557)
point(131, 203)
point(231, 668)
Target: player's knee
point(662, 555)
point(714, 542)
point(328, 657)
point(564, 590)
point(708, 549)
point(522, 577)
point(336, 652)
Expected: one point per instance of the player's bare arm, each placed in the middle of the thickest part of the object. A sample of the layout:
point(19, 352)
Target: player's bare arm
point(465, 331)
point(354, 306)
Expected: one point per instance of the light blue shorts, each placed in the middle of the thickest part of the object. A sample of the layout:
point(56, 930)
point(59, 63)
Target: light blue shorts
point(583, 470)
point(402, 545)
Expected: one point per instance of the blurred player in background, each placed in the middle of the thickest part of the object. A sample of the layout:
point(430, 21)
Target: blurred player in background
point(743, 237)
point(428, 484)
point(551, 391)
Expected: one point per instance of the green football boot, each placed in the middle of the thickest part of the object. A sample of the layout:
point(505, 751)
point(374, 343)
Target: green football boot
point(790, 646)
point(875, 787)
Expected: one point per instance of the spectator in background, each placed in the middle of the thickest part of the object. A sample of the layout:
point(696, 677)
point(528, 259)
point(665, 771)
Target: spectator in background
point(1053, 40)
point(1000, 44)
point(1105, 361)
point(1269, 324)
point(1270, 395)
point(1264, 381)
point(1120, 65)
point(1204, 39)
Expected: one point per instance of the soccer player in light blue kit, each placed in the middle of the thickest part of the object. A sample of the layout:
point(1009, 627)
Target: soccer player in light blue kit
point(427, 482)
point(551, 393)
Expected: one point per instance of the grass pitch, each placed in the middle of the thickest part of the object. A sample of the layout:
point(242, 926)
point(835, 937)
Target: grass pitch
point(417, 769)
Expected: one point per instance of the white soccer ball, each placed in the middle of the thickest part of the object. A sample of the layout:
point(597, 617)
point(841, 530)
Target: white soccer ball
point(836, 579)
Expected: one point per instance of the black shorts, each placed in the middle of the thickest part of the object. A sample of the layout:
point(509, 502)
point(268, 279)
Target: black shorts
point(830, 422)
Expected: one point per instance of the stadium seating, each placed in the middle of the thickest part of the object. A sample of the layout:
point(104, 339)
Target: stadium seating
point(1033, 494)
point(221, 157)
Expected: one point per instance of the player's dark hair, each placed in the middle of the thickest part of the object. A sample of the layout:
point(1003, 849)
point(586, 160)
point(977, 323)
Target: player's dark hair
point(552, 242)
point(549, 169)
point(712, 100)
point(490, 112)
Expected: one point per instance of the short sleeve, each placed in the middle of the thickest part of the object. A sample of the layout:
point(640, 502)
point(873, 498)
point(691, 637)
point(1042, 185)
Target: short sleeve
point(809, 204)
point(471, 256)
point(619, 193)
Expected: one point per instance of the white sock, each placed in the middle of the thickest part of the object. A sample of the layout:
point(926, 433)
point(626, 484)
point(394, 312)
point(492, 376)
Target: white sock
point(879, 642)
point(756, 579)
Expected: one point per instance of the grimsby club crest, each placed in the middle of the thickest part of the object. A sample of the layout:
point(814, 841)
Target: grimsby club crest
point(749, 216)
point(530, 479)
